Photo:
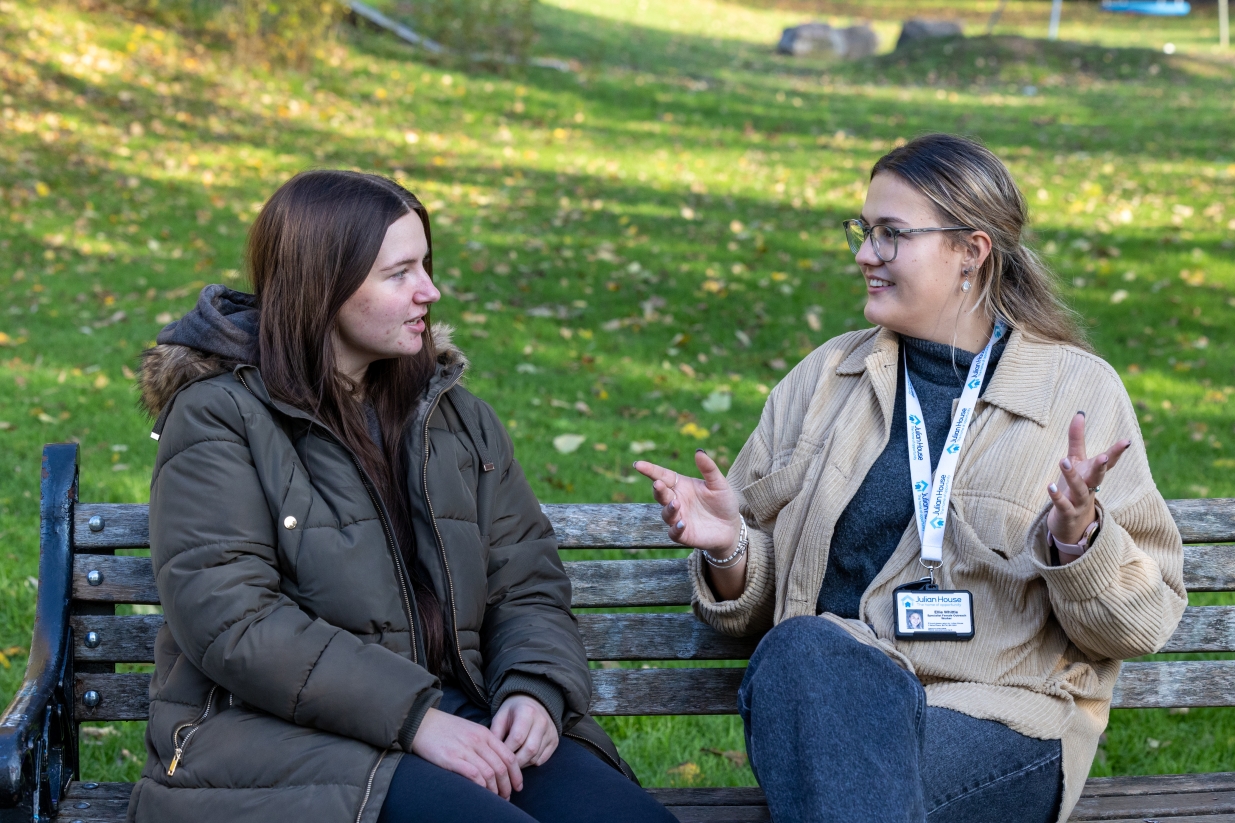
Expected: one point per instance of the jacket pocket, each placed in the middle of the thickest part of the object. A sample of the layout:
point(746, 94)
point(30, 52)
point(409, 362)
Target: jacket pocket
point(183, 734)
point(772, 492)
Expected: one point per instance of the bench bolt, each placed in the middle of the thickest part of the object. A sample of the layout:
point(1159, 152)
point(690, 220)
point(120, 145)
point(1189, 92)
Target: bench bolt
point(81, 805)
point(89, 785)
point(91, 699)
point(92, 640)
point(95, 523)
point(94, 577)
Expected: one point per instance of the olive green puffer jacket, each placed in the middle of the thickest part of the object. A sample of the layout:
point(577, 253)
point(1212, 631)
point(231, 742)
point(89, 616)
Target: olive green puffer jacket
point(287, 677)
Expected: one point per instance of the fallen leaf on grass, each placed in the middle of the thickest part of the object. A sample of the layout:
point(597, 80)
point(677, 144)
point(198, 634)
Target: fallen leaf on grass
point(693, 429)
point(99, 731)
point(737, 758)
point(567, 443)
point(687, 772)
point(718, 401)
point(641, 446)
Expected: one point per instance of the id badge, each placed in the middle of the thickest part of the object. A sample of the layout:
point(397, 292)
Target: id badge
point(927, 613)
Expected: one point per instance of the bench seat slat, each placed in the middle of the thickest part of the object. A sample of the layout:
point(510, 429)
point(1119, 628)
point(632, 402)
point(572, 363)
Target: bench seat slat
point(130, 638)
point(694, 691)
point(603, 525)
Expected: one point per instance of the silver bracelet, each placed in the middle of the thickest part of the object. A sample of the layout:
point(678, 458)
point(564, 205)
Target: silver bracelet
point(732, 560)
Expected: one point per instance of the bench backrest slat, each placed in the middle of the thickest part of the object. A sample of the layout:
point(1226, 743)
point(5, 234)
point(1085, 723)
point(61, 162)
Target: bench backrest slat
point(596, 526)
point(695, 691)
point(130, 638)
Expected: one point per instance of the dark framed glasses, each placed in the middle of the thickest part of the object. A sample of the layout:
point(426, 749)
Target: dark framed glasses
point(884, 239)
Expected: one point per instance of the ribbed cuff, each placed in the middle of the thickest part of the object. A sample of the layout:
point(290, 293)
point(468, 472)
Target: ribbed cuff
point(1093, 573)
point(540, 688)
point(426, 700)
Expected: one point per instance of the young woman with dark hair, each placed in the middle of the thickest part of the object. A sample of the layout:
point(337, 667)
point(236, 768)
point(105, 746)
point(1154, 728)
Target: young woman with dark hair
point(366, 616)
point(917, 526)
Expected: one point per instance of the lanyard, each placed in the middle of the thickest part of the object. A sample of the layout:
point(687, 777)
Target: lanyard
point(930, 497)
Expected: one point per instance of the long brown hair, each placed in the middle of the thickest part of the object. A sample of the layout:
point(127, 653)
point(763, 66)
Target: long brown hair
point(970, 186)
point(309, 250)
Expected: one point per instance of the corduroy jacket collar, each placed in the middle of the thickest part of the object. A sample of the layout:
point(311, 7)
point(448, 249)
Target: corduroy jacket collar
point(1023, 383)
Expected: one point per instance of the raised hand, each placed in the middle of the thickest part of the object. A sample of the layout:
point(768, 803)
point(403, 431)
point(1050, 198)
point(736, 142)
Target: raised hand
point(703, 513)
point(470, 750)
point(1080, 477)
point(526, 728)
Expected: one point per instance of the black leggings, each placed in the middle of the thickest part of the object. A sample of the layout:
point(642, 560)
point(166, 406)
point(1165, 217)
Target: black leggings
point(574, 786)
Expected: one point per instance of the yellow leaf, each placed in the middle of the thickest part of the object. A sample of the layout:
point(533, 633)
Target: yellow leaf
point(42, 189)
point(687, 772)
point(5, 340)
point(4, 660)
point(693, 429)
point(101, 381)
point(128, 373)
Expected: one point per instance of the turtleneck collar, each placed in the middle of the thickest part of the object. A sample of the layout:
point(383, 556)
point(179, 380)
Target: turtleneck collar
point(942, 364)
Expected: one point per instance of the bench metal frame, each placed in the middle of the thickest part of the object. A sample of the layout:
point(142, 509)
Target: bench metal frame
point(78, 640)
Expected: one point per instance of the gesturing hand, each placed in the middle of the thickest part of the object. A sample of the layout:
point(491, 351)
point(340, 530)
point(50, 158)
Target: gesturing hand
point(700, 513)
point(526, 728)
point(468, 749)
point(1072, 495)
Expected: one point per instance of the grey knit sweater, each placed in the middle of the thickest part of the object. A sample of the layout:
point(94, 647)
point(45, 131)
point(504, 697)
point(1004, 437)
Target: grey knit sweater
point(873, 522)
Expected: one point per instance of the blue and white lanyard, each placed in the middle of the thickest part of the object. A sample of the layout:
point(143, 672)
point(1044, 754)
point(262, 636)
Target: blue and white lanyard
point(930, 497)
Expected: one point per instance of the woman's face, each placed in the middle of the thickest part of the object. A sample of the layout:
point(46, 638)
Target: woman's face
point(385, 316)
point(919, 293)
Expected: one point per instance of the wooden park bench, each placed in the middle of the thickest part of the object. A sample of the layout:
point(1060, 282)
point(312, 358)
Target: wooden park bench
point(79, 639)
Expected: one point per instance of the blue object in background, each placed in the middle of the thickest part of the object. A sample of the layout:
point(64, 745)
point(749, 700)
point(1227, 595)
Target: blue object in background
point(1156, 8)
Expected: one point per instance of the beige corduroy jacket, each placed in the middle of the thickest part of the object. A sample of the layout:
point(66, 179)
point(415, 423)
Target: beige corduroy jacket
point(1049, 639)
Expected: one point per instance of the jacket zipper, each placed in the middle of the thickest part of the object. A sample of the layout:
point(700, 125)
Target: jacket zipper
point(390, 541)
point(441, 547)
point(394, 549)
point(368, 789)
point(192, 726)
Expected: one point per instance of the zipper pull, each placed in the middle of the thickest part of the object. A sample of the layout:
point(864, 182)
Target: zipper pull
point(175, 761)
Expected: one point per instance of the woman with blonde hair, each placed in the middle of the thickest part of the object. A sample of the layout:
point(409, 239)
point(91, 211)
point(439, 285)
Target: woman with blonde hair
point(948, 578)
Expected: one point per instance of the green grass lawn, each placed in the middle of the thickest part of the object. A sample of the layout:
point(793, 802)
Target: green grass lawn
point(633, 251)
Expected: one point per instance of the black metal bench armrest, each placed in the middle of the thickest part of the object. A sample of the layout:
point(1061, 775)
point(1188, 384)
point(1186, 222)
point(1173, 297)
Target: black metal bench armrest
point(38, 741)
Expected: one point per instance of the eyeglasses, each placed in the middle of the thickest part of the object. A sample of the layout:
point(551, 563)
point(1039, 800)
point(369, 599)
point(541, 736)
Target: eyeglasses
point(883, 238)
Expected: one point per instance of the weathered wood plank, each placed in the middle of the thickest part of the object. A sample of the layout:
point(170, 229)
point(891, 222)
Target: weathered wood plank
point(1175, 684)
point(119, 638)
point(1114, 807)
point(601, 525)
point(578, 526)
point(1209, 568)
point(1204, 520)
point(596, 583)
point(130, 638)
point(122, 526)
point(1160, 784)
point(123, 579)
point(107, 803)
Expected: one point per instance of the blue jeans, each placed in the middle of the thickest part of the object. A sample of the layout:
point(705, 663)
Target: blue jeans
point(574, 786)
point(836, 731)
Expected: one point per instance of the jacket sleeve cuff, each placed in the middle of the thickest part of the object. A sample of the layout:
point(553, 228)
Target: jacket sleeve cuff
point(539, 688)
point(1093, 573)
point(752, 611)
point(427, 699)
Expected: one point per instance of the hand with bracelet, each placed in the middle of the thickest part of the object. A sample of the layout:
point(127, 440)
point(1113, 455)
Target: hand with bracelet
point(1073, 518)
point(703, 514)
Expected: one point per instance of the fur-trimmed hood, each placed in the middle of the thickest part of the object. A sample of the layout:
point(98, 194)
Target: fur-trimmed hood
point(217, 335)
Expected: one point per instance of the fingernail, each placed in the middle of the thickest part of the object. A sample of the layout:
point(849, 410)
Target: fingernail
point(1105, 460)
point(673, 504)
point(1067, 464)
point(1054, 489)
point(680, 525)
point(699, 450)
point(1081, 413)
